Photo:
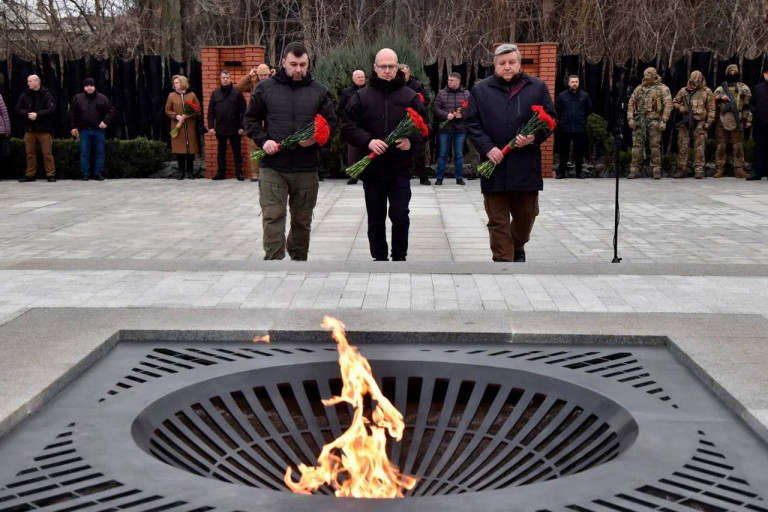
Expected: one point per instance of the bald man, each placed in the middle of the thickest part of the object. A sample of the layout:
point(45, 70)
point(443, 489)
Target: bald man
point(248, 84)
point(358, 82)
point(36, 107)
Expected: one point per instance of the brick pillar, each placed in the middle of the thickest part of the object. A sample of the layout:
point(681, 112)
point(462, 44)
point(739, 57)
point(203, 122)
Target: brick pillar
point(544, 66)
point(214, 60)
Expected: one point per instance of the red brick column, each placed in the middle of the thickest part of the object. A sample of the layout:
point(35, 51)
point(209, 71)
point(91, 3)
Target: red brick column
point(214, 58)
point(544, 66)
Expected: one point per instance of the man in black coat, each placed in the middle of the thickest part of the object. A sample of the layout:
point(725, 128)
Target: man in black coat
point(225, 121)
point(280, 106)
point(573, 106)
point(90, 113)
point(498, 108)
point(759, 107)
point(358, 82)
point(36, 107)
point(419, 164)
point(372, 113)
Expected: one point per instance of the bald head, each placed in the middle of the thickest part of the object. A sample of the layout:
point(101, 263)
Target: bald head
point(358, 77)
point(33, 82)
point(385, 64)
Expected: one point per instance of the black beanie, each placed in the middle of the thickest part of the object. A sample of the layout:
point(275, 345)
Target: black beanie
point(89, 81)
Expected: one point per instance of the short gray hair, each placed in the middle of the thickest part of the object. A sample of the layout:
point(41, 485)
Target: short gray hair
point(505, 48)
point(403, 67)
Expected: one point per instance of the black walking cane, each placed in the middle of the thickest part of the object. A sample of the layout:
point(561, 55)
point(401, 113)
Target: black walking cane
point(619, 135)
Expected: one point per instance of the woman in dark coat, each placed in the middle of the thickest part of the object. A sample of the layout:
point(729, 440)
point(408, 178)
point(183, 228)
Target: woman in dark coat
point(184, 145)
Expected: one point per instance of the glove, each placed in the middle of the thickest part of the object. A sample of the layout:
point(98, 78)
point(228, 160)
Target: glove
point(662, 126)
point(631, 124)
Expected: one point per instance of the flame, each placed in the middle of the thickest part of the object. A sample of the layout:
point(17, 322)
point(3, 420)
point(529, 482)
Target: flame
point(356, 463)
point(260, 339)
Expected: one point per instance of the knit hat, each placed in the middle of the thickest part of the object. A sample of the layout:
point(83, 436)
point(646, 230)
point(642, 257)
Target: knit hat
point(89, 81)
point(732, 68)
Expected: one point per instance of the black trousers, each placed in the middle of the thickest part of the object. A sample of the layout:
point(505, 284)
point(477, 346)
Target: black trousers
point(185, 162)
point(579, 140)
point(419, 162)
point(761, 150)
point(237, 152)
point(398, 192)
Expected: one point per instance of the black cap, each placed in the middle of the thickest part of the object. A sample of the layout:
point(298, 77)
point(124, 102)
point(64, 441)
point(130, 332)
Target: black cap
point(89, 81)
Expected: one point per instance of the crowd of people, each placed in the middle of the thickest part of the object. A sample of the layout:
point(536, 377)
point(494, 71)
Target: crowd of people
point(493, 117)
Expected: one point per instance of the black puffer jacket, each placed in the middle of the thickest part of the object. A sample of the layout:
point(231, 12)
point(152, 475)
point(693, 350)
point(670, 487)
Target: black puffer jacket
point(40, 102)
point(759, 105)
point(280, 107)
point(225, 111)
point(495, 117)
point(372, 113)
point(87, 111)
point(572, 110)
point(449, 100)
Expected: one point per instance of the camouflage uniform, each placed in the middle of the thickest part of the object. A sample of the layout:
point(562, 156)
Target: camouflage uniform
point(697, 99)
point(647, 115)
point(730, 128)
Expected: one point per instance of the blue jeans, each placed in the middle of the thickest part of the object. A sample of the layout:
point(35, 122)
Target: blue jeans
point(92, 140)
point(446, 139)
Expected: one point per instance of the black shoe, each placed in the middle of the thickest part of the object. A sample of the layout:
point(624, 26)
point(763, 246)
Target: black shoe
point(240, 177)
point(181, 176)
point(320, 178)
point(438, 181)
point(255, 179)
point(51, 179)
point(352, 181)
point(399, 258)
point(99, 178)
point(425, 181)
point(560, 176)
point(580, 176)
point(460, 182)
point(754, 177)
point(519, 256)
point(218, 177)
point(26, 179)
point(85, 178)
point(380, 259)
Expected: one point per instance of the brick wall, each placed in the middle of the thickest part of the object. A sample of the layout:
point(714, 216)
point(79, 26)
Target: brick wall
point(544, 66)
point(213, 62)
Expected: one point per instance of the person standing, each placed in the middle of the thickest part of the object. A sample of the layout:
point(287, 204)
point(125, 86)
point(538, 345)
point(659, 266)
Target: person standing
point(573, 106)
point(90, 113)
point(647, 114)
point(281, 105)
point(225, 121)
point(372, 113)
point(358, 82)
point(419, 163)
point(498, 108)
point(5, 129)
point(248, 84)
point(36, 107)
point(759, 108)
point(184, 145)
point(449, 106)
point(696, 105)
point(732, 98)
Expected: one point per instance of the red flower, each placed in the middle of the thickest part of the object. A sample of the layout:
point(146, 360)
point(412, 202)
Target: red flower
point(421, 97)
point(322, 131)
point(464, 104)
point(191, 104)
point(418, 122)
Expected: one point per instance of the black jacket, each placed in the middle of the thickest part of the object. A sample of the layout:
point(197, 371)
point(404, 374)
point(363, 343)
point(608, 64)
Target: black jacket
point(418, 88)
point(759, 105)
point(87, 111)
point(344, 97)
point(446, 101)
point(495, 117)
point(372, 113)
point(225, 111)
point(41, 102)
point(280, 107)
point(572, 110)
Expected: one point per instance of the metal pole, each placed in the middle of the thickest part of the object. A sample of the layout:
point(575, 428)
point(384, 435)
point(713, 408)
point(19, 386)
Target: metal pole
point(619, 135)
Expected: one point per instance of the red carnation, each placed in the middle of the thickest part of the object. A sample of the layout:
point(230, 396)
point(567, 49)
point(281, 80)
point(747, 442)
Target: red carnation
point(418, 122)
point(421, 97)
point(464, 104)
point(322, 131)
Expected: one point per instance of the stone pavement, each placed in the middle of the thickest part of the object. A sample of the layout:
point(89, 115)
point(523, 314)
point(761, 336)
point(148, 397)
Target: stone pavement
point(695, 267)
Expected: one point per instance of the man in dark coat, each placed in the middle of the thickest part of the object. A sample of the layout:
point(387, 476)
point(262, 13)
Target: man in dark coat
point(372, 113)
point(280, 106)
point(90, 113)
point(498, 108)
point(419, 164)
point(759, 107)
point(36, 107)
point(358, 82)
point(225, 121)
point(573, 106)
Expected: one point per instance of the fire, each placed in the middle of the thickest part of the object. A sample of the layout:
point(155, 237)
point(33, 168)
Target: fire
point(261, 339)
point(356, 463)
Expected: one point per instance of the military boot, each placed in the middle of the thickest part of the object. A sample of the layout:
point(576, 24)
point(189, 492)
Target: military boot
point(698, 173)
point(739, 173)
point(681, 173)
point(633, 173)
point(657, 174)
point(719, 173)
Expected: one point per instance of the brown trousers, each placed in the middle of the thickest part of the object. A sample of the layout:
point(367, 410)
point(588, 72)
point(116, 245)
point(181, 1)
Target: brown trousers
point(510, 220)
point(45, 140)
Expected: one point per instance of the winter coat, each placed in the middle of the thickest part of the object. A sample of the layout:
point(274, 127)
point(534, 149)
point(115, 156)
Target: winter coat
point(495, 117)
point(372, 113)
point(225, 111)
point(5, 120)
point(701, 103)
point(572, 110)
point(759, 104)
point(280, 107)
point(344, 97)
point(247, 84)
point(87, 111)
point(448, 100)
point(41, 102)
point(418, 88)
point(186, 140)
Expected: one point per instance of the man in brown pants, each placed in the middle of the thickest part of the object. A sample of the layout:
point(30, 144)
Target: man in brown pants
point(36, 107)
point(248, 84)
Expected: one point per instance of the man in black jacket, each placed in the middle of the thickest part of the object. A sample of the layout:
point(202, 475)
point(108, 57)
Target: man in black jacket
point(280, 106)
point(498, 108)
point(372, 113)
point(358, 82)
point(759, 107)
point(573, 106)
point(36, 107)
point(90, 113)
point(419, 164)
point(225, 121)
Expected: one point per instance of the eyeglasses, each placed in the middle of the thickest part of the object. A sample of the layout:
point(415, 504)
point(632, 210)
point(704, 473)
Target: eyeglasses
point(387, 67)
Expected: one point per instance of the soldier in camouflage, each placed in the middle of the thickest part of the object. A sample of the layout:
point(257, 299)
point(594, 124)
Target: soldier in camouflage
point(732, 98)
point(696, 105)
point(649, 108)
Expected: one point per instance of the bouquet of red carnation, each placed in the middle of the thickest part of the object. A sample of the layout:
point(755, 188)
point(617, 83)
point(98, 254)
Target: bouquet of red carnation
point(318, 130)
point(461, 108)
point(190, 108)
point(538, 122)
point(412, 123)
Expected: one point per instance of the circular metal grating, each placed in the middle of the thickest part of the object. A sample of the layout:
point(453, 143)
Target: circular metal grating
point(469, 428)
